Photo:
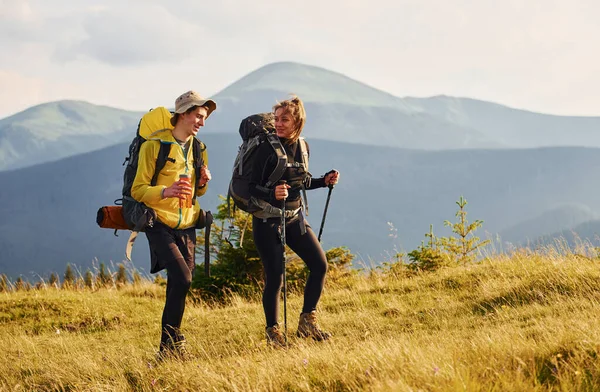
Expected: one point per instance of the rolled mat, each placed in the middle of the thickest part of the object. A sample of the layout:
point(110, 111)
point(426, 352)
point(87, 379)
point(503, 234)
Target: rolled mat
point(111, 217)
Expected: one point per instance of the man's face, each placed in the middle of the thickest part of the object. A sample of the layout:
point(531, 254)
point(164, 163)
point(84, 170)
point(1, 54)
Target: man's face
point(192, 121)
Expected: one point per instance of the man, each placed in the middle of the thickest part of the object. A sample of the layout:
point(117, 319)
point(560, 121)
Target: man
point(172, 239)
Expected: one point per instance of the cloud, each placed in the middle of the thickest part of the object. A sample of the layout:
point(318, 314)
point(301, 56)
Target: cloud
point(19, 10)
point(537, 54)
point(125, 37)
point(17, 22)
point(24, 91)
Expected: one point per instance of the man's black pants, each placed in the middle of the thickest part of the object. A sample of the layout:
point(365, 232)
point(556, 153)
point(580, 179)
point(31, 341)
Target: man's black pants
point(174, 250)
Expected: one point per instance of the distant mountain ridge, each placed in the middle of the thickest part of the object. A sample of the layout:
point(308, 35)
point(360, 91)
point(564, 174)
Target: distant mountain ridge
point(61, 129)
point(513, 127)
point(312, 84)
point(339, 109)
point(403, 160)
point(43, 230)
point(551, 222)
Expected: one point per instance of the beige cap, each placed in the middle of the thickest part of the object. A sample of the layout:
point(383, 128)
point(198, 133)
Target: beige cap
point(190, 99)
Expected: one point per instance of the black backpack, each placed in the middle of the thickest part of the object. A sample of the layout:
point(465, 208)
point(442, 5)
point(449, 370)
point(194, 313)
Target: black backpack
point(255, 130)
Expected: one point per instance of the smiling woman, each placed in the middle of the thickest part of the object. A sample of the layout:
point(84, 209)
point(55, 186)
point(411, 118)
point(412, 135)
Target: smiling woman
point(283, 222)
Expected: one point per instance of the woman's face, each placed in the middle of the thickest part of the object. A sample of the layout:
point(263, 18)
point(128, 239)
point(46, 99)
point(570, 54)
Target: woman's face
point(284, 123)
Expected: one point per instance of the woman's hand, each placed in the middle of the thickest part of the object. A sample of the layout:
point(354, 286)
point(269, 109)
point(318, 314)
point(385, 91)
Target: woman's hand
point(332, 177)
point(281, 191)
point(179, 189)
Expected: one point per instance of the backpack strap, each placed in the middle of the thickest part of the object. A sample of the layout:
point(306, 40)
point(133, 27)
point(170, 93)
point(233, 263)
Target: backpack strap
point(161, 161)
point(281, 160)
point(198, 149)
point(304, 152)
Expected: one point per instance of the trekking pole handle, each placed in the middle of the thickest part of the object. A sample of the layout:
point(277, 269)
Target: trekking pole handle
point(330, 186)
point(282, 182)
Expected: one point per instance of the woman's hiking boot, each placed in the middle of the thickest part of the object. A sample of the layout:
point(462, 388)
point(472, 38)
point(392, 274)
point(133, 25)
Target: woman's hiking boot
point(308, 327)
point(275, 337)
point(175, 348)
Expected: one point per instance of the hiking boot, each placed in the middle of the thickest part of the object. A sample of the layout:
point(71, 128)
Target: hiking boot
point(275, 337)
point(308, 327)
point(174, 349)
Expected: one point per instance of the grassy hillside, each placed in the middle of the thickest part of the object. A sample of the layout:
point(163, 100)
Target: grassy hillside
point(524, 322)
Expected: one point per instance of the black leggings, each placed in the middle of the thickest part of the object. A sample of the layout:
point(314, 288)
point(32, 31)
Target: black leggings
point(175, 250)
point(268, 244)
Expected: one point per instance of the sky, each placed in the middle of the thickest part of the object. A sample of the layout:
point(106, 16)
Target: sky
point(538, 55)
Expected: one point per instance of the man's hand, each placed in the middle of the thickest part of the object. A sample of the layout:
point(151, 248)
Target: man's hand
point(205, 176)
point(179, 189)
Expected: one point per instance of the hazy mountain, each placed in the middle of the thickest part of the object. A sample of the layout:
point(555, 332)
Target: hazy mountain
point(313, 84)
point(49, 211)
point(56, 130)
point(342, 109)
point(580, 238)
point(512, 127)
point(339, 109)
point(562, 218)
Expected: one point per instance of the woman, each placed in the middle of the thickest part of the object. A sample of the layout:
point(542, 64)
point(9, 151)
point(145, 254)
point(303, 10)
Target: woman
point(289, 122)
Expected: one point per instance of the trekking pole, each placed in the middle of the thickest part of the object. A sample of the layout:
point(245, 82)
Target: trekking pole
point(283, 182)
point(330, 186)
point(209, 221)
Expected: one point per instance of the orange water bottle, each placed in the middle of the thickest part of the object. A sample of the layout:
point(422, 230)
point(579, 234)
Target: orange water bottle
point(187, 202)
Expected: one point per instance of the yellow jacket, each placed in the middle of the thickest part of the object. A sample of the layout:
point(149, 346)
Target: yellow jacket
point(167, 209)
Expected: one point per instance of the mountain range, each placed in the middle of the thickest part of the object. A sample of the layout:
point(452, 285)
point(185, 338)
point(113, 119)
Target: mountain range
point(404, 163)
point(339, 109)
point(58, 130)
point(49, 213)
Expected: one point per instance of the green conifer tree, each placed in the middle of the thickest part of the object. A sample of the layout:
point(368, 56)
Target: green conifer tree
point(236, 265)
point(121, 278)
point(20, 284)
point(104, 278)
point(88, 280)
point(53, 280)
point(69, 277)
point(137, 279)
point(466, 243)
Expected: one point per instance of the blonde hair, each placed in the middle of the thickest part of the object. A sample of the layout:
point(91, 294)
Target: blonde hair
point(295, 108)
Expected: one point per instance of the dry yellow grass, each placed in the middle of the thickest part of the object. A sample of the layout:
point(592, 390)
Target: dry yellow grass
point(528, 322)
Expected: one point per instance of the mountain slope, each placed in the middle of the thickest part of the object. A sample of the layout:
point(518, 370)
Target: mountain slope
point(44, 229)
point(312, 84)
point(56, 130)
point(512, 127)
point(559, 219)
point(586, 234)
point(342, 109)
point(339, 109)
